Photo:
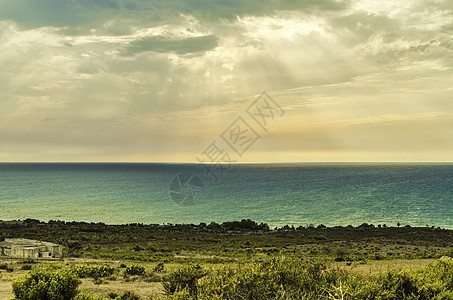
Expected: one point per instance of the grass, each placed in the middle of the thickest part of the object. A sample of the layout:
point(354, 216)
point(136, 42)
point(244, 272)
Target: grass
point(243, 260)
point(279, 277)
point(224, 244)
point(295, 278)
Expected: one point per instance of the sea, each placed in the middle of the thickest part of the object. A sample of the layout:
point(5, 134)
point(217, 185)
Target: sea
point(299, 194)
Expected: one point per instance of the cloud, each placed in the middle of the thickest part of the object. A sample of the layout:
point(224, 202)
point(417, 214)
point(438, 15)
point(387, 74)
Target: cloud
point(118, 76)
point(165, 45)
point(230, 9)
point(81, 13)
point(360, 26)
point(32, 14)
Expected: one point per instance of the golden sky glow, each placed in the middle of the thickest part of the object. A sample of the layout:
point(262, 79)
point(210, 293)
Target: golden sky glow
point(158, 81)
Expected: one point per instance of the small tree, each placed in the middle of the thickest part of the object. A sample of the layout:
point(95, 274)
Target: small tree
point(47, 284)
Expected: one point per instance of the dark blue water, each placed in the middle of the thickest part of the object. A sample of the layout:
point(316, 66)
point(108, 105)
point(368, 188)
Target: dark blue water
point(279, 194)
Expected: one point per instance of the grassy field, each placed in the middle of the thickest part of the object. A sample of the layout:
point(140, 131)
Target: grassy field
point(167, 257)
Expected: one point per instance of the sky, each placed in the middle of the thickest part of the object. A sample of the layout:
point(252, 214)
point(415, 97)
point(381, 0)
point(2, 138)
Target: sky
point(183, 81)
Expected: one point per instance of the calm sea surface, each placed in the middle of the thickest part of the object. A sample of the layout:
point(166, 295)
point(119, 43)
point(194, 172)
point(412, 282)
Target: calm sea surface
point(279, 194)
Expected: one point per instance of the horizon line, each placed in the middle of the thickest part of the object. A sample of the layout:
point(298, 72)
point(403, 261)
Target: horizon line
point(233, 163)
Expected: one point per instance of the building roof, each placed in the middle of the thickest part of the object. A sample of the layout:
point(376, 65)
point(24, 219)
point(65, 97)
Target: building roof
point(25, 243)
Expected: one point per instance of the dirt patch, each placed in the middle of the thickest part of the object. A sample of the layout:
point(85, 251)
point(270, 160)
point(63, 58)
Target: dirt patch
point(146, 290)
point(373, 267)
point(5, 290)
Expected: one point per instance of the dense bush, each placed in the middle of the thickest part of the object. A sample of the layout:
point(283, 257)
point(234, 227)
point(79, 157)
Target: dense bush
point(134, 270)
point(267, 280)
point(128, 296)
point(6, 267)
point(159, 267)
point(184, 278)
point(89, 296)
point(47, 285)
point(26, 267)
point(112, 295)
point(247, 225)
point(296, 279)
point(448, 253)
point(94, 271)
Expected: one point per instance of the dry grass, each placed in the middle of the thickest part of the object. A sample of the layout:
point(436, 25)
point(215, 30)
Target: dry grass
point(150, 290)
point(377, 266)
point(146, 290)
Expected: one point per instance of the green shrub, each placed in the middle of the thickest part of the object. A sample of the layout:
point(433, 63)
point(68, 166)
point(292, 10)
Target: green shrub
point(89, 296)
point(266, 280)
point(98, 280)
point(129, 296)
point(294, 278)
point(26, 267)
point(134, 270)
point(449, 252)
point(184, 278)
point(159, 267)
point(436, 279)
point(138, 248)
point(46, 284)
point(183, 294)
point(113, 295)
point(399, 284)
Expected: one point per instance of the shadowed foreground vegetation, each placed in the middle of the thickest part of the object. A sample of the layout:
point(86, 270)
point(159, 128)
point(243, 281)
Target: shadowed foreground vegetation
point(232, 260)
point(281, 278)
point(277, 278)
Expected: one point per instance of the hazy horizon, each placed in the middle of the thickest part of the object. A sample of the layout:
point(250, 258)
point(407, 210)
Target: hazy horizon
point(232, 163)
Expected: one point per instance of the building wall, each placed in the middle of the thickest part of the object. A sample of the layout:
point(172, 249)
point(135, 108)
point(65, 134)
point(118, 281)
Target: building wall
point(30, 253)
point(36, 252)
point(22, 248)
point(57, 251)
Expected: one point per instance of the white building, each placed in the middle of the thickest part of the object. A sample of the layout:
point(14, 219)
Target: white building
point(24, 248)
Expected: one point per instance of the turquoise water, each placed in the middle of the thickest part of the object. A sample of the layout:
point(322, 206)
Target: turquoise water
point(278, 194)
